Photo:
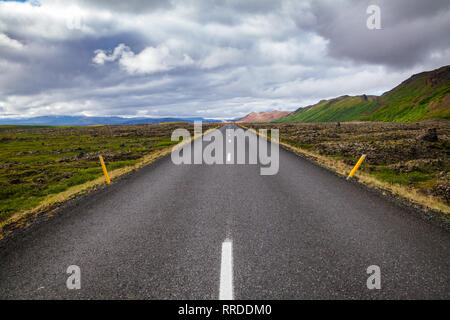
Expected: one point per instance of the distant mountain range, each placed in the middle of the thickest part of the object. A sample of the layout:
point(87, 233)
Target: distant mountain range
point(86, 121)
point(423, 96)
point(263, 116)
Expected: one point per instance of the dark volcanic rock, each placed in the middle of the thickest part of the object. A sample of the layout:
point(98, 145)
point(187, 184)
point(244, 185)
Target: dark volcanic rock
point(429, 135)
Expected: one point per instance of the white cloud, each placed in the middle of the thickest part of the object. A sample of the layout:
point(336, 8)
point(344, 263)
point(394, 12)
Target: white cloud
point(308, 48)
point(7, 42)
point(153, 59)
point(220, 57)
point(149, 60)
point(102, 56)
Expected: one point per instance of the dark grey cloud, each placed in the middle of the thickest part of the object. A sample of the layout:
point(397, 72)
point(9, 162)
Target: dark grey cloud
point(60, 64)
point(411, 30)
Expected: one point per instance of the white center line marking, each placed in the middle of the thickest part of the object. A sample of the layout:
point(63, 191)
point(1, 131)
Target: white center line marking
point(226, 271)
point(229, 156)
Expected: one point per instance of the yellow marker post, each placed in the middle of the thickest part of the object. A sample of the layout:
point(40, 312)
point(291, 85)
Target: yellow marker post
point(102, 162)
point(358, 164)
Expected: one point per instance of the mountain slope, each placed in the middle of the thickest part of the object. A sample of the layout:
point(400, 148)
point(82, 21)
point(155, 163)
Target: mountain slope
point(263, 116)
point(345, 108)
point(423, 96)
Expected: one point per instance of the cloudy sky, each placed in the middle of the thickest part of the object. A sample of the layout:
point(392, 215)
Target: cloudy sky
point(209, 58)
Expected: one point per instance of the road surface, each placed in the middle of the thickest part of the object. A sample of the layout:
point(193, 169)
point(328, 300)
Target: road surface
point(225, 231)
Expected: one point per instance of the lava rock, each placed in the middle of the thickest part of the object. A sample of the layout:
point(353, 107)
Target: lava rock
point(429, 135)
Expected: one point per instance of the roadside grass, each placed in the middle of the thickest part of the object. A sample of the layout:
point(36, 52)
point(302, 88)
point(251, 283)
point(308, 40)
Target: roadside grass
point(43, 165)
point(410, 178)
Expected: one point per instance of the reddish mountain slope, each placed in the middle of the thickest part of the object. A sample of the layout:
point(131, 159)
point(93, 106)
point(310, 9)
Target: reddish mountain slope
point(263, 116)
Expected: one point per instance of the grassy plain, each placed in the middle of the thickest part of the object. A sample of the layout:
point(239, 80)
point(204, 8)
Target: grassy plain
point(37, 162)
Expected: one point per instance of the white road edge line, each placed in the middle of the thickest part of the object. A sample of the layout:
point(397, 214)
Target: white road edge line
point(226, 271)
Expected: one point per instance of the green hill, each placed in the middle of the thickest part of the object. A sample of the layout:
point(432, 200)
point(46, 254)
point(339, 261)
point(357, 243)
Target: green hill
point(423, 96)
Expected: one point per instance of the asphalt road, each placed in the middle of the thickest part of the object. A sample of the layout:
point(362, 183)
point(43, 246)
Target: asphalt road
point(303, 233)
